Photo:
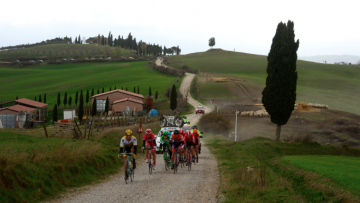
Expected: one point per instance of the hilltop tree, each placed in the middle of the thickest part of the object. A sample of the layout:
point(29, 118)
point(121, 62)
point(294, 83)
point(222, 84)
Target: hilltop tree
point(80, 42)
point(76, 97)
point(173, 102)
point(98, 40)
point(70, 100)
point(110, 88)
point(40, 98)
point(93, 112)
point(279, 94)
point(212, 42)
point(58, 99)
point(92, 92)
point(55, 118)
point(107, 105)
point(17, 97)
point(81, 107)
point(45, 98)
point(65, 99)
point(156, 95)
point(134, 89)
point(150, 91)
point(87, 96)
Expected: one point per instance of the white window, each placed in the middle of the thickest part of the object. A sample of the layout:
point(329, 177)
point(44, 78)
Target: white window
point(100, 105)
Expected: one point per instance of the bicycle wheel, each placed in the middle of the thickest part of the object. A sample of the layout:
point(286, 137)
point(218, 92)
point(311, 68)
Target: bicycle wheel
point(179, 122)
point(176, 163)
point(167, 161)
point(162, 121)
point(182, 161)
point(188, 161)
point(132, 176)
point(126, 177)
point(150, 165)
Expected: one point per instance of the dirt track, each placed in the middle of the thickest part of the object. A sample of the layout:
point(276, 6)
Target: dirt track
point(198, 185)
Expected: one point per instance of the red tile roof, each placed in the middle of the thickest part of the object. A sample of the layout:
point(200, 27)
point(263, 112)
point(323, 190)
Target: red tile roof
point(31, 102)
point(128, 99)
point(20, 108)
point(121, 91)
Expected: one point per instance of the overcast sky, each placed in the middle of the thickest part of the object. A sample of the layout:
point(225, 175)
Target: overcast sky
point(323, 27)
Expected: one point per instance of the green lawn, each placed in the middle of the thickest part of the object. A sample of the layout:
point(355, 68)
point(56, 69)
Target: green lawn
point(334, 85)
point(51, 79)
point(344, 170)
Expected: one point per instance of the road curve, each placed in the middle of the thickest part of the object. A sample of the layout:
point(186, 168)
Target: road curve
point(198, 185)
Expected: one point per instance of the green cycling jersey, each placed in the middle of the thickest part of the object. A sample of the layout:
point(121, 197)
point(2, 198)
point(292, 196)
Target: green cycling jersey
point(165, 141)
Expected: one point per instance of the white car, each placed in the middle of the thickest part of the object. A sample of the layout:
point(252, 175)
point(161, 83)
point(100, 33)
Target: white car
point(158, 136)
point(108, 58)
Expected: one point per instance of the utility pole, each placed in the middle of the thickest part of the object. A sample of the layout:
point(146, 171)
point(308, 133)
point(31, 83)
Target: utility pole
point(236, 113)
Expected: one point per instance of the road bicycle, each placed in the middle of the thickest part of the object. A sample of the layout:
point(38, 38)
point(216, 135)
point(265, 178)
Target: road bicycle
point(150, 162)
point(171, 121)
point(128, 167)
point(167, 158)
point(176, 160)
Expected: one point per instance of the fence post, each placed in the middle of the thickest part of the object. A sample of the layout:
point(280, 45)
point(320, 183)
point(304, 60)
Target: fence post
point(104, 121)
point(86, 126)
point(43, 122)
point(99, 122)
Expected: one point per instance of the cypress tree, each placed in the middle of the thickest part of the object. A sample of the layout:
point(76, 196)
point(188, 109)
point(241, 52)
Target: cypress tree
point(93, 112)
point(87, 96)
point(122, 88)
point(40, 98)
point(55, 118)
point(279, 94)
point(115, 87)
point(17, 97)
point(65, 99)
point(103, 90)
point(45, 98)
point(98, 41)
point(110, 88)
point(173, 102)
point(70, 100)
point(138, 90)
point(126, 89)
point(92, 92)
point(98, 91)
point(76, 97)
point(80, 40)
point(81, 106)
point(134, 89)
point(58, 99)
point(107, 105)
point(150, 91)
point(156, 95)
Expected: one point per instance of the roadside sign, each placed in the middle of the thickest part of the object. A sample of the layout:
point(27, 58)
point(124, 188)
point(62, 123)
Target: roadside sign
point(140, 130)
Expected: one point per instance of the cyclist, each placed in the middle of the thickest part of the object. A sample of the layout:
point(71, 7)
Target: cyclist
point(197, 143)
point(128, 142)
point(149, 142)
point(190, 143)
point(165, 142)
point(177, 143)
point(182, 133)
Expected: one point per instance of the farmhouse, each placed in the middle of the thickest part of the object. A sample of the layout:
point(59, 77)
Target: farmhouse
point(43, 108)
point(118, 101)
point(17, 116)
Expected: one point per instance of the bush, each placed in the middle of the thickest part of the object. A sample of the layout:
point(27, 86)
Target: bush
point(188, 69)
point(215, 123)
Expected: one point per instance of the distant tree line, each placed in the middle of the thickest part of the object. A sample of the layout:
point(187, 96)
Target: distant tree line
point(57, 40)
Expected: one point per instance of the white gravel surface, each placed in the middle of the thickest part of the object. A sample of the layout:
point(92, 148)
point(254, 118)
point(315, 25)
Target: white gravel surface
point(198, 185)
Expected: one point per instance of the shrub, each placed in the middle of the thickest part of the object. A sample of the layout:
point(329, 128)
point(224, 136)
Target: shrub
point(215, 123)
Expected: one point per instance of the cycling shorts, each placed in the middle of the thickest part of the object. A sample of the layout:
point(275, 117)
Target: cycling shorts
point(151, 144)
point(177, 146)
point(189, 144)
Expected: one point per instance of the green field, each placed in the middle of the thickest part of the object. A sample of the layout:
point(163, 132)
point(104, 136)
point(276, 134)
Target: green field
point(334, 85)
point(64, 50)
point(254, 171)
point(344, 170)
point(51, 79)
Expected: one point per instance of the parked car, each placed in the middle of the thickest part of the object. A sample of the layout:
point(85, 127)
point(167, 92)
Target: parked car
point(70, 59)
point(32, 61)
point(123, 57)
point(100, 58)
point(17, 61)
point(92, 59)
point(200, 109)
point(64, 59)
point(86, 59)
point(108, 58)
point(40, 61)
point(131, 58)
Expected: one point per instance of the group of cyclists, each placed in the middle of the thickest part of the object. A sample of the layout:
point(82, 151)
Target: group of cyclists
point(178, 140)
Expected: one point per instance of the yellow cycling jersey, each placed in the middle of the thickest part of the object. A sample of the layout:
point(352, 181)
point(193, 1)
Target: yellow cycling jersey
point(128, 143)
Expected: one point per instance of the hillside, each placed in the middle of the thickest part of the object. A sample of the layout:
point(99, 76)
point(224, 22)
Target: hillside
point(334, 85)
point(70, 78)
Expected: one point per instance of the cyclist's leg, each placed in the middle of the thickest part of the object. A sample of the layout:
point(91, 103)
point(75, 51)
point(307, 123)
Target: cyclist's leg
point(186, 153)
point(193, 150)
point(154, 155)
point(147, 151)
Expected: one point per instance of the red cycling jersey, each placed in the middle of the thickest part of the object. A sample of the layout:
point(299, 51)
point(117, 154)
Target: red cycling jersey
point(191, 138)
point(149, 139)
point(196, 135)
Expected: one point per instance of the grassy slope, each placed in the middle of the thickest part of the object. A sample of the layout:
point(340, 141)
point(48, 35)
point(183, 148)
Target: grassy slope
point(51, 79)
point(271, 179)
point(334, 85)
point(324, 165)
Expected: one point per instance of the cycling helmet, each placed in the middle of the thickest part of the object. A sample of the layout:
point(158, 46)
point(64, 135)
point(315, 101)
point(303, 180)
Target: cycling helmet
point(194, 127)
point(185, 117)
point(195, 131)
point(148, 131)
point(166, 133)
point(176, 132)
point(188, 133)
point(181, 131)
point(128, 132)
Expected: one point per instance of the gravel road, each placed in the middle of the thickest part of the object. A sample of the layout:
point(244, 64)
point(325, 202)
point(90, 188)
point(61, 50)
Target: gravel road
point(198, 185)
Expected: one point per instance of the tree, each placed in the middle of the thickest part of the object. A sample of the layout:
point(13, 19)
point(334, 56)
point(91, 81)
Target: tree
point(65, 99)
point(173, 102)
point(126, 89)
point(103, 90)
point(81, 107)
point(98, 91)
point(279, 94)
point(55, 118)
point(134, 89)
point(17, 97)
point(39, 97)
point(138, 90)
point(156, 95)
point(212, 42)
point(107, 105)
point(92, 92)
point(93, 112)
point(150, 91)
point(58, 99)
point(80, 42)
point(70, 100)
point(115, 87)
point(76, 97)
point(87, 96)
point(45, 98)
point(110, 88)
